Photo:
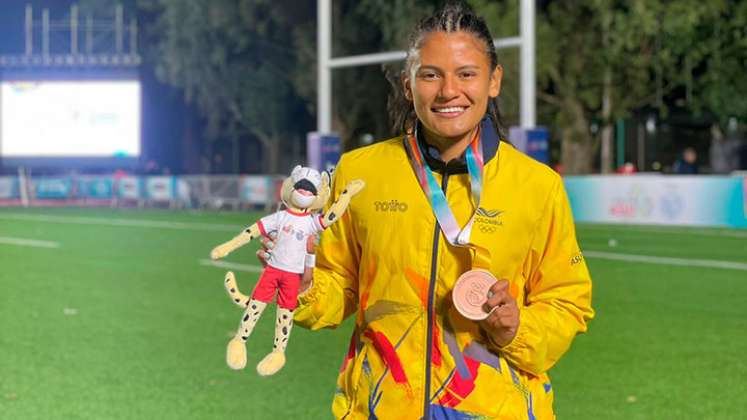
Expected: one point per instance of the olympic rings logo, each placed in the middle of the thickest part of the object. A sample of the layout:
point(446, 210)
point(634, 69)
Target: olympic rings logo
point(487, 228)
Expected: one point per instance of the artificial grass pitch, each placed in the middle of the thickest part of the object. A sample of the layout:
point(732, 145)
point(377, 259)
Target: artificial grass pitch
point(116, 316)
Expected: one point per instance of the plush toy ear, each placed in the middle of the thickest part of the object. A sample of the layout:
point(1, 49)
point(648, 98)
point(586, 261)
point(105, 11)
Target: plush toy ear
point(286, 190)
point(323, 194)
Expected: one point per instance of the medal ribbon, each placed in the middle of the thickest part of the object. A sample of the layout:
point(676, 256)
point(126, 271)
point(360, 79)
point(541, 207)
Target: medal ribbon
point(436, 196)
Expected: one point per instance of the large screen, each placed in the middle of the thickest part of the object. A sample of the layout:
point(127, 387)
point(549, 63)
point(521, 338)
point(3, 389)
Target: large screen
point(50, 119)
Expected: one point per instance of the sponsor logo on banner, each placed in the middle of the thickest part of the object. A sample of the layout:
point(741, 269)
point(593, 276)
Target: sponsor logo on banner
point(128, 187)
point(52, 187)
point(636, 203)
point(671, 202)
point(255, 189)
point(160, 188)
point(98, 187)
point(323, 150)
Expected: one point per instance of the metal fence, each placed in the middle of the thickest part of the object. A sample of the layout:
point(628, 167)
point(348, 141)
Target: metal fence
point(190, 191)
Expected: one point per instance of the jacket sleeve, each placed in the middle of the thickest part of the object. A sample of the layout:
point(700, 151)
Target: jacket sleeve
point(333, 295)
point(558, 291)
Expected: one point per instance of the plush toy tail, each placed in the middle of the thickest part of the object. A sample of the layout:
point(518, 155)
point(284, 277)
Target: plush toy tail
point(233, 290)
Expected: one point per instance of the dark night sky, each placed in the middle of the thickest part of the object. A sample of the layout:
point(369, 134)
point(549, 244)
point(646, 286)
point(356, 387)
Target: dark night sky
point(12, 15)
point(11, 26)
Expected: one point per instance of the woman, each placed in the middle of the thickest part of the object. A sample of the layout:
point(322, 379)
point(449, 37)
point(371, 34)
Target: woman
point(390, 263)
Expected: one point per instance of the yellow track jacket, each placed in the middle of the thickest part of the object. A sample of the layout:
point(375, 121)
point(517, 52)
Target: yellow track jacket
point(412, 355)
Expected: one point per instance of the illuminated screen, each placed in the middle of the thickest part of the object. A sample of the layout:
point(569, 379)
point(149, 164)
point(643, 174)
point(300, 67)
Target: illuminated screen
point(70, 119)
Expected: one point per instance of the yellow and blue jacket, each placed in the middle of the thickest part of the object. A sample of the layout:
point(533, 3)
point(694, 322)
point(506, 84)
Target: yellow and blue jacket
point(412, 355)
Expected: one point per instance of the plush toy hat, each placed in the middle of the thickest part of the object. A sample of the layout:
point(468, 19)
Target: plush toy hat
point(306, 178)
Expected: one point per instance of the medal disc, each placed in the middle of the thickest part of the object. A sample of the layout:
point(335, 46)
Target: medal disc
point(471, 292)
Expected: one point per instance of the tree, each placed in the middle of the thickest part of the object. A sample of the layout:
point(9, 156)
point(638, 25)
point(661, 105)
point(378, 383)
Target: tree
point(359, 93)
point(600, 60)
point(250, 66)
point(234, 61)
point(719, 62)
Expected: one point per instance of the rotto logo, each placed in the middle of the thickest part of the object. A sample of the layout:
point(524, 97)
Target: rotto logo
point(392, 205)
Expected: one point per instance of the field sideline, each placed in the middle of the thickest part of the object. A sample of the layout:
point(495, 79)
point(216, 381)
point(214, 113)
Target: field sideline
point(118, 314)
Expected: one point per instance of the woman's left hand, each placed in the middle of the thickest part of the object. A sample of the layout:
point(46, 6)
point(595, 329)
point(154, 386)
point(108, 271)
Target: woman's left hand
point(503, 322)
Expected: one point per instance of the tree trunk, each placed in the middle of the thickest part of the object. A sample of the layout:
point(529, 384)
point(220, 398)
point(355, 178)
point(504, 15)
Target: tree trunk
point(577, 148)
point(270, 151)
point(606, 141)
point(577, 152)
point(273, 154)
point(607, 158)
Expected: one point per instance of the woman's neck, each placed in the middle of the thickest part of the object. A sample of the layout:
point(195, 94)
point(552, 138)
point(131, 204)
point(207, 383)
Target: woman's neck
point(448, 148)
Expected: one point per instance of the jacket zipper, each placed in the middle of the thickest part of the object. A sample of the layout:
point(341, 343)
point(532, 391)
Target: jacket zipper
point(429, 314)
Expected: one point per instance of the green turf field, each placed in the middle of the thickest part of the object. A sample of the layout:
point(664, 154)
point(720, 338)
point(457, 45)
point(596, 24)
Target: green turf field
point(115, 316)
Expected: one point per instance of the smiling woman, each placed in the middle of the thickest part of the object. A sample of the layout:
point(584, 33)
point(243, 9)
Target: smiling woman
point(450, 80)
point(447, 199)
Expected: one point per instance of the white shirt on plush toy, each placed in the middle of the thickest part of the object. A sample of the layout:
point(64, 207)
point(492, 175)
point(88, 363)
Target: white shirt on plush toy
point(293, 230)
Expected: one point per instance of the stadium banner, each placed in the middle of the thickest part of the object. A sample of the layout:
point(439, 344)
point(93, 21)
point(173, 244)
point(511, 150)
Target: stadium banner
point(8, 187)
point(183, 192)
point(256, 189)
point(129, 188)
point(534, 142)
point(52, 187)
point(323, 150)
point(98, 187)
point(658, 199)
point(160, 188)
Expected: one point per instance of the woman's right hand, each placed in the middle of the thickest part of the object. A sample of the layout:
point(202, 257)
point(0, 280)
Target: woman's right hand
point(308, 271)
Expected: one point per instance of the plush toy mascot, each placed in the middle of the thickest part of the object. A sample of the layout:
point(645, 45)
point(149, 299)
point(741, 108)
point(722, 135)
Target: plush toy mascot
point(304, 194)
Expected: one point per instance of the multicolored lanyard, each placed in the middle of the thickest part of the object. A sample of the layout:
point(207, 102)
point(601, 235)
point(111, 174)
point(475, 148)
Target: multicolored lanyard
point(436, 196)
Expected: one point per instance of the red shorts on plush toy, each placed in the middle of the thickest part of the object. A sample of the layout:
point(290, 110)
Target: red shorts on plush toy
point(284, 282)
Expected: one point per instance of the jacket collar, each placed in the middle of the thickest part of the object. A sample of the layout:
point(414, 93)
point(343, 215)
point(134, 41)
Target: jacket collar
point(490, 143)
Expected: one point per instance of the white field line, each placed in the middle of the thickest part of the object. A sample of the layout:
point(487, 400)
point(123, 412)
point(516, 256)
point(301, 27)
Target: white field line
point(729, 265)
point(667, 230)
point(257, 269)
point(684, 262)
point(158, 224)
point(233, 266)
point(28, 242)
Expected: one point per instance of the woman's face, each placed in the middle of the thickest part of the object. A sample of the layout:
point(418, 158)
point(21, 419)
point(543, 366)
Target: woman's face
point(450, 83)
